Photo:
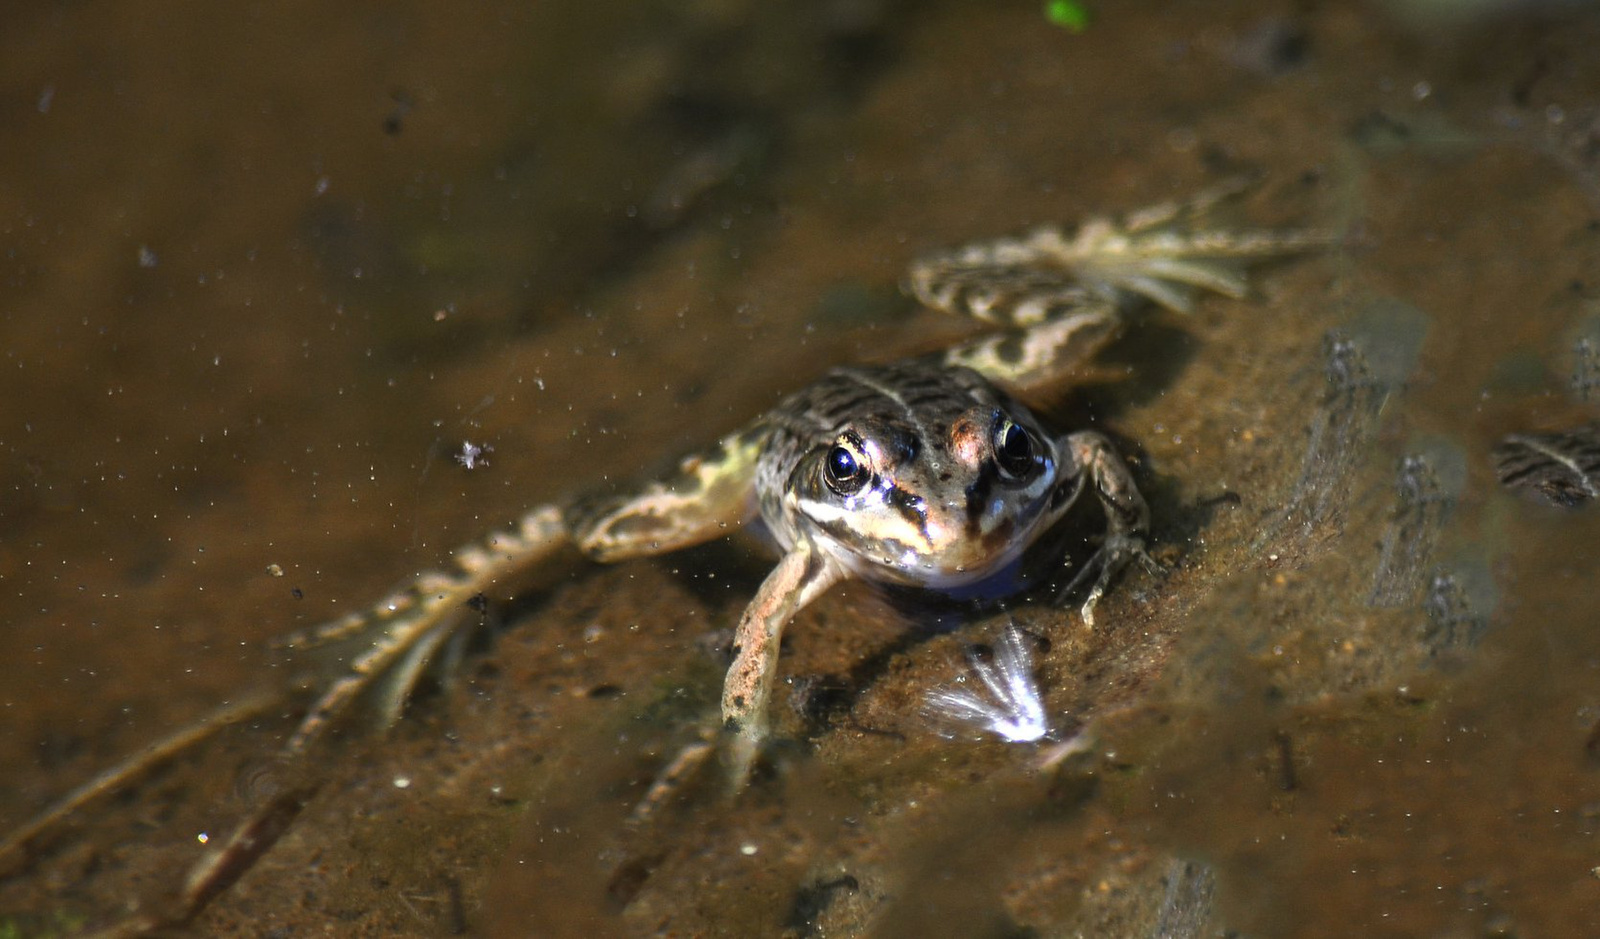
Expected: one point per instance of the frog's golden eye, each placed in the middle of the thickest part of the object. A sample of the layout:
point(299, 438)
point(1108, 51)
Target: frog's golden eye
point(1014, 449)
point(845, 470)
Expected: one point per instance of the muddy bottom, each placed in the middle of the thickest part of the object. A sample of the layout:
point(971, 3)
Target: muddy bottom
point(268, 279)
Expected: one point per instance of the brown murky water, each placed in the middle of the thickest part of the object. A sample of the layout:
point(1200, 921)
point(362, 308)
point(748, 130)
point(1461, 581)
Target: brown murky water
point(265, 271)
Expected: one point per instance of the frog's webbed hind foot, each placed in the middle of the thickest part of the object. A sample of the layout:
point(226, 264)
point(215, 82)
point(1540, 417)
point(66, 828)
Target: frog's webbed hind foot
point(17, 848)
point(394, 643)
point(399, 638)
point(381, 655)
point(1163, 254)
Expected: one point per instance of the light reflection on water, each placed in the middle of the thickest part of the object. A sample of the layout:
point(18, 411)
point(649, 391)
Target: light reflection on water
point(262, 278)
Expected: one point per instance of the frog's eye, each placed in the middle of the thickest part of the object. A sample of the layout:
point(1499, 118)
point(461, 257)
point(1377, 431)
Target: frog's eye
point(1014, 450)
point(844, 470)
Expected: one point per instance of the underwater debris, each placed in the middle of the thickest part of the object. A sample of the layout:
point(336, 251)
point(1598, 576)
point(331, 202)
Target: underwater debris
point(1560, 469)
point(1585, 367)
point(1339, 433)
point(1008, 705)
point(812, 900)
point(473, 455)
point(1364, 362)
point(1458, 606)
point(1425, 491)
point(1189, 899)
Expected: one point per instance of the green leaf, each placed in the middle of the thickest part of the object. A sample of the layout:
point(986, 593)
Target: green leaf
point(1067, 14)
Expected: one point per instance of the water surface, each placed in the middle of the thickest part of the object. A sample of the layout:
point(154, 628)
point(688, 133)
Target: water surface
point(265, 272)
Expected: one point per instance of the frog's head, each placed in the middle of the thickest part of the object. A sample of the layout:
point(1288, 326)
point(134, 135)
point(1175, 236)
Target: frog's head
point(936, 501)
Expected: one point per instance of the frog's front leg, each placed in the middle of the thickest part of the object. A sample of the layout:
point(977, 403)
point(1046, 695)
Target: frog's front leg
point(1095, 462)
point(803, 573)
point(708, 494)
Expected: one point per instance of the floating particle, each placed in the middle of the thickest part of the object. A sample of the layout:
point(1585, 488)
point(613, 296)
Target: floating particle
point(472, 455)
point(394, 122)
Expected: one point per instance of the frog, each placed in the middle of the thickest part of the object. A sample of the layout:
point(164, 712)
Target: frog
point(928, 472)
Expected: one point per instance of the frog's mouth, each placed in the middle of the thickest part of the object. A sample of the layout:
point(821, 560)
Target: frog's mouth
point(932, 550)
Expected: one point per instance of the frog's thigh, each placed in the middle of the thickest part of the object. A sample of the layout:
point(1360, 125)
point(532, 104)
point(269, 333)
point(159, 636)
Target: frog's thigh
point(1044, 353)
point(703, 499)
point(1126, 511)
